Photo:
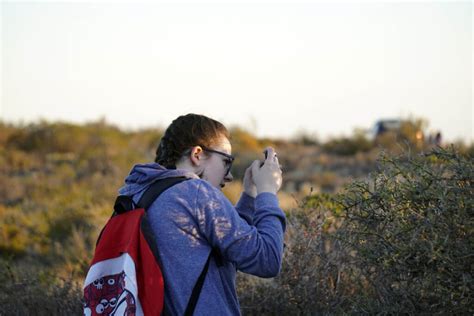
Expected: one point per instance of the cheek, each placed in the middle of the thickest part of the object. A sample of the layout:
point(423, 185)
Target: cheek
point(216, 168)
point(217, 173)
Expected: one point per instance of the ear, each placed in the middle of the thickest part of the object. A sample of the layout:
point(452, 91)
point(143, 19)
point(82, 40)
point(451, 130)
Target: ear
point(196, 155)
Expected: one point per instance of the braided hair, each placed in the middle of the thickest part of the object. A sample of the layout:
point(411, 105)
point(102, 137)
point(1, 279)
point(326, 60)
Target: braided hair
point(185, 132)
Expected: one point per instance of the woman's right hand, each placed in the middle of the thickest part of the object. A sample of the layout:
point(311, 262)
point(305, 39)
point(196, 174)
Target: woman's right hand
point(267, 177)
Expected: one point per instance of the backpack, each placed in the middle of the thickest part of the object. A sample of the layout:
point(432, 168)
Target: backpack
point(125, 277)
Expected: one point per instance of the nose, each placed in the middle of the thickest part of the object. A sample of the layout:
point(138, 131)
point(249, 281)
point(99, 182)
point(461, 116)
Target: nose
point(229, 177)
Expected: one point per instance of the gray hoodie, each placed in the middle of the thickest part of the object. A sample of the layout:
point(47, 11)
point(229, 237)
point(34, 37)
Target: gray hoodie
point(190, 219)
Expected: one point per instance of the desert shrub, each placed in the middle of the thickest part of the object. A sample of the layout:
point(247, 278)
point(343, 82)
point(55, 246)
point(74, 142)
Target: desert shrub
point(47, 137)
point(399, 243)
point(412, 230)
point(27, 292)
point(243, 140)
point(466, 149)
point(6, 129)
point(348, 146)
point(305, 138)
point(316, 277)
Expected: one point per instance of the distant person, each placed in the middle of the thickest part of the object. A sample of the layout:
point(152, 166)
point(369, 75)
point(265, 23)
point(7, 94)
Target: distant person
point(437, 139)
point(193, 218)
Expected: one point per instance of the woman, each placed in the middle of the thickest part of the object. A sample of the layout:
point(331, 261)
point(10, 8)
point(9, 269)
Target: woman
point(193, 219)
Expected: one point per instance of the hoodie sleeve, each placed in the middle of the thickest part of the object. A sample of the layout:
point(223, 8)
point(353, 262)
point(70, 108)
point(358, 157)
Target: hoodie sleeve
point(246, 207)
point(256, 249)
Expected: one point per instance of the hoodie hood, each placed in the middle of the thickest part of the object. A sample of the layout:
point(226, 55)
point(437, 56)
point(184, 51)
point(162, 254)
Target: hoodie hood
point(143, 175)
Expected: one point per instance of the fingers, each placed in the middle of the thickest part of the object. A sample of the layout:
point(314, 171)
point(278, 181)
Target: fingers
point(254, 167)
point(248, 171)
point(271, 156)
point(248, 174)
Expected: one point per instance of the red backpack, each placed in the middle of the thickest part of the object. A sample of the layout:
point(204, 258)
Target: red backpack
point(125, 277)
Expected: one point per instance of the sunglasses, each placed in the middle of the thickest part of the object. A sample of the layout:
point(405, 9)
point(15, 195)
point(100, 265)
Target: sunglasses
point(228, 161)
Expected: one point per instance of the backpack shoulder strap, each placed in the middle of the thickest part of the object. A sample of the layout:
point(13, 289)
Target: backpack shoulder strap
point(146, 200)
point(156, 189)
point(198, 287)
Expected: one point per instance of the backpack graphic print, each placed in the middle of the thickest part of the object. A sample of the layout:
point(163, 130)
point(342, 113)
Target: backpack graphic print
point(108, 296)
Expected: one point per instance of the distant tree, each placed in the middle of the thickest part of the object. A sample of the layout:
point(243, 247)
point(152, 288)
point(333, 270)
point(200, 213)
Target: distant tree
point(306, 139)
point(348, 146)
point(243, 140)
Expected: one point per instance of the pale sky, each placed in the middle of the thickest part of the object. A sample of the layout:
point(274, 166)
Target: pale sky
point(275, 69)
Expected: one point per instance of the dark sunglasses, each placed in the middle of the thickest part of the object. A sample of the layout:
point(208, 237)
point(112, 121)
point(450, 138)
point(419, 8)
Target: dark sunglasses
point(228, 162)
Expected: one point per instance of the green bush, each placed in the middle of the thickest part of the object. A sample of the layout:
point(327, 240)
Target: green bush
point(313, 267)
point(412, 230)
point(348, 146)
point(26, 292)
point(400, 243)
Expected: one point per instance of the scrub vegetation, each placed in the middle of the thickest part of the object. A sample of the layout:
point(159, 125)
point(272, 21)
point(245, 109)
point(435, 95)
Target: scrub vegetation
point(375, 226)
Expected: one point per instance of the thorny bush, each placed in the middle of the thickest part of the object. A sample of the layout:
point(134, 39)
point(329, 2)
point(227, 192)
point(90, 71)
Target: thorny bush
point(399, 243)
